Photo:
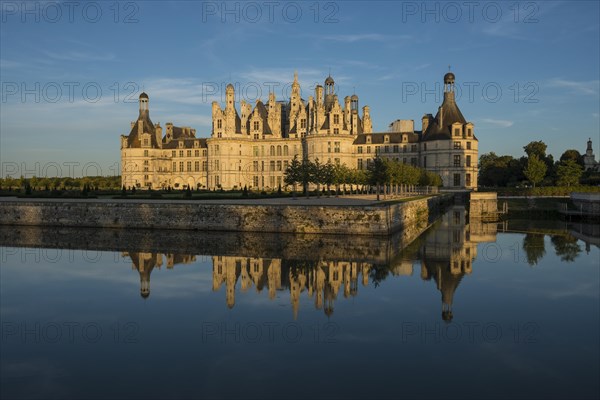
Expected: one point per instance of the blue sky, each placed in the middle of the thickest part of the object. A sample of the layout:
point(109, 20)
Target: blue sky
point(526, 70)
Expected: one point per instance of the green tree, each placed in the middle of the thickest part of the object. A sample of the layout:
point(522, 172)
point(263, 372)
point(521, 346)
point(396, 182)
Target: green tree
point(535, 170)
point(293, 174)
point(536, 148)
point(568, 173)
point(378, 173)
point(573, 155)
point(328, 175)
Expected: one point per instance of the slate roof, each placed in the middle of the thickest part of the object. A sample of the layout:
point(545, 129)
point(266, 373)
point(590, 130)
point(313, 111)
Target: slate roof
point(452, 114)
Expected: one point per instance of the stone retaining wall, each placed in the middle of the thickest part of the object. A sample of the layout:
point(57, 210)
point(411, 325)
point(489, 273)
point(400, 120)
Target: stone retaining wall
point(378, 219)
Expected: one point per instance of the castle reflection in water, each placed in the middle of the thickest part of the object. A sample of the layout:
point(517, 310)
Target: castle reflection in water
point(445, 254)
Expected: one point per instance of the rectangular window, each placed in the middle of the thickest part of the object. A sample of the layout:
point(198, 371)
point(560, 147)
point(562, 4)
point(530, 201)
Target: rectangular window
point(278, 165)
point(457, 145)
point(303, 123)
point(468, 145)
point(329, 147)
point(386, 149)
point(286, 164)
point(457, 161)
point(468, 161)
point(189, 166)
point(336, 119)
point(404, 149)
point(395, 148)
point(204, 165)
point(196, 153)
point(173, 153)
point(145, 142)
point(174, 167)
point(336, 147)
point(189, 153)
point(425, 162)
point(256, 125)
point(255, 165)
point(413, 161)
point(145, 153)
point(336, 131)
point(456, 179)
point(255, 181)
point(368, 149)
point(197, 166)
point(272, 166)
point(219, 124)
point(456, 131)
point(359, 149)
point(413, 148)
point(468, 180)
point(255, 151)
point(180, 153)
point(360, 163)
point(469, 132)
point(204, 152)
point(181, 166)
point(256, 136)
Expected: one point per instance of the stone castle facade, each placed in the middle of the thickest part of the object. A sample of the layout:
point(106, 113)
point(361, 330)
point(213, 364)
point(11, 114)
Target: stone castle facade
point(253, 147)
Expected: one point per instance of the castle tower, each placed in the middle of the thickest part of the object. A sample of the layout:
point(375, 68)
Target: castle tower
point(589, 159)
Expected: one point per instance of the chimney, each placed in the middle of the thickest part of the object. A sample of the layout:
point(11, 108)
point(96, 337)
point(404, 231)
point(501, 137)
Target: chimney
point(441, 119)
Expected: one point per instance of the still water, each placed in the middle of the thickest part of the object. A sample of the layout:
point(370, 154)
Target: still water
point(468, 310)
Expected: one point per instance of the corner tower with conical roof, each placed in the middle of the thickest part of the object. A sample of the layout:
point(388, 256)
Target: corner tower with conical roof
point(448, 142)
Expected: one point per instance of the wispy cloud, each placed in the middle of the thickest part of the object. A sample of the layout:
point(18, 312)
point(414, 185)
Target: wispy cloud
point(361, 37)
point(351, 38)
point(576, 87)
point(79, 56)
point(502, 123)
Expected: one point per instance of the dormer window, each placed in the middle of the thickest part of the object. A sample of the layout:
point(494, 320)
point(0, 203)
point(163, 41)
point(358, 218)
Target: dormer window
point(368, 139)
point(256, 125)
point(336, 119)
point(145, 142)
point(180, 144)
point(386, 139)
point(404, 138)
point(219, 124)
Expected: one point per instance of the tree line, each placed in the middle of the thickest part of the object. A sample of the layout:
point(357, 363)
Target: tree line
point(61, 183)
point(535, 168)
point(379, 173)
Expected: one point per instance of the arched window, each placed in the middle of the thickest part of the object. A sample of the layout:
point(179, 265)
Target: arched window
point(272, 151)
point(278, 150)
point(285, 150)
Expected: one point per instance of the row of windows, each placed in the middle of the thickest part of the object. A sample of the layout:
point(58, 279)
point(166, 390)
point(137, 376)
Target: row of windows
point(456, 180)
point(188, 166)
point(273, 166)
point(361, 164)
point(188, 153)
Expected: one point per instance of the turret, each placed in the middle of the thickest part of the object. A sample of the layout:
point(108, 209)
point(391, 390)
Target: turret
point(230, 96)
point(143, 101)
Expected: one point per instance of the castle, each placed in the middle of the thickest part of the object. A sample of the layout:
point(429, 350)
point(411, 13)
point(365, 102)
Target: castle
point(253, 147)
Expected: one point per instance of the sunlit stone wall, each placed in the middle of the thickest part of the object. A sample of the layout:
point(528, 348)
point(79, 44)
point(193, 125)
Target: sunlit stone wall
point(380, 219)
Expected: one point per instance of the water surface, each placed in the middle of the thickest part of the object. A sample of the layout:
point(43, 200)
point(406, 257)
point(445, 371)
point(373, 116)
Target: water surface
point(468, 310)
